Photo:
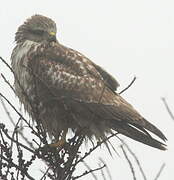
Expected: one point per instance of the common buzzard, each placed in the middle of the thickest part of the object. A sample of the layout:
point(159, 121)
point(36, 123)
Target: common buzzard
point(64, 90)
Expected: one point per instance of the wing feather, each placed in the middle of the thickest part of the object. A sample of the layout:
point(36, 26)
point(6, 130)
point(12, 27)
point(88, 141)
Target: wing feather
point(89, 91)
point(111, 82)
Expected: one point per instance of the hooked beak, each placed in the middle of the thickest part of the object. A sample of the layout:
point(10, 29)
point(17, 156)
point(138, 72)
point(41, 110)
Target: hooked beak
point(52, 37)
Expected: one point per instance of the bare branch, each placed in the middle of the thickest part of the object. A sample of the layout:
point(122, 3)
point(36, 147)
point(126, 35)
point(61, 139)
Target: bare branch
point(131, 83)
point(160, 171)
point(129, 162)
point(12, 121)
point(7, 82)
point(89, 169)
point(167, 107)
point(94, 148)
point(2, 127)
point(7, 112)
point(20, 115)
point(17, 167)
point(87, 172)
point(107, 169)
point(136, 159)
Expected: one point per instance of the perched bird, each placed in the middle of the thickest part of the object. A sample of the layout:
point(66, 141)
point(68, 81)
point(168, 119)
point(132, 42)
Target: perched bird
point(63, 89)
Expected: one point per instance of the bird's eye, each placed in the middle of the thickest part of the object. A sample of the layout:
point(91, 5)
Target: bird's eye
point(38, 32)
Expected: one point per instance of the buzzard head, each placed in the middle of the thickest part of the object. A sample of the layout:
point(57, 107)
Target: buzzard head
point(38, 28)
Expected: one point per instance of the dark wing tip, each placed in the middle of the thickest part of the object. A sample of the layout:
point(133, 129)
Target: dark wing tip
point(138, 135)
point(163, 147)
point(150, 127)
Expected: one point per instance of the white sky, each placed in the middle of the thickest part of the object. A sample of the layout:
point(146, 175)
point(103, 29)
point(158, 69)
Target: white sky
point(125, 37)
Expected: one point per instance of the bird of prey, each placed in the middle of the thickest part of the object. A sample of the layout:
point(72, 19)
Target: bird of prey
point(63, 89)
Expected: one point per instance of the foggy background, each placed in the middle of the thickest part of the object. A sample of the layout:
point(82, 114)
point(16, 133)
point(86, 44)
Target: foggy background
point(127, 38)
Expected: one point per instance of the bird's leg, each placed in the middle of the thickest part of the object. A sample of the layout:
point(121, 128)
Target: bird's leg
point(60, 142)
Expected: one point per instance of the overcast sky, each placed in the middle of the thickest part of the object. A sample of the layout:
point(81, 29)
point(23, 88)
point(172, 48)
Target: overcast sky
point(128, 38)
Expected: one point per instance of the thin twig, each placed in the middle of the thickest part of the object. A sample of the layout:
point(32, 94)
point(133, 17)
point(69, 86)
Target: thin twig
point(44, 175)
point(14, 131)
point(20, 115)
point(7, 82)
point(6, 111)
point(102, 172)
point(17, 167)
point(128, 86)
point(129, 162)
point(107, 169)
point(167, 107)
point(89, 169)
point(12, 139)
point(88, 172)
point(12, 121)
point(135, 157)
point(98, 144)
point(18, 82)
point(160, 171)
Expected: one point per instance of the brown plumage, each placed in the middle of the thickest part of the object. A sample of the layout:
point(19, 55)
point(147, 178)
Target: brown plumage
point(69, 91)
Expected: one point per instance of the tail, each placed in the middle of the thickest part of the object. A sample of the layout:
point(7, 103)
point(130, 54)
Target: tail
point(139, 133)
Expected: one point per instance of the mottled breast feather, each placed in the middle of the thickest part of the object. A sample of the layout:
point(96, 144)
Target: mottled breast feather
point(70, 91)
point(68, 70)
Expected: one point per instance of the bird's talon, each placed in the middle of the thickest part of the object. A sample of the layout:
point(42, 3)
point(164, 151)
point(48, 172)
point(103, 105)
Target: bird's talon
point(58, 144)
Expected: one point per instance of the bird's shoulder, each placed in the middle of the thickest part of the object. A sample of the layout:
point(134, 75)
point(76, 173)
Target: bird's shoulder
point(74, 62)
